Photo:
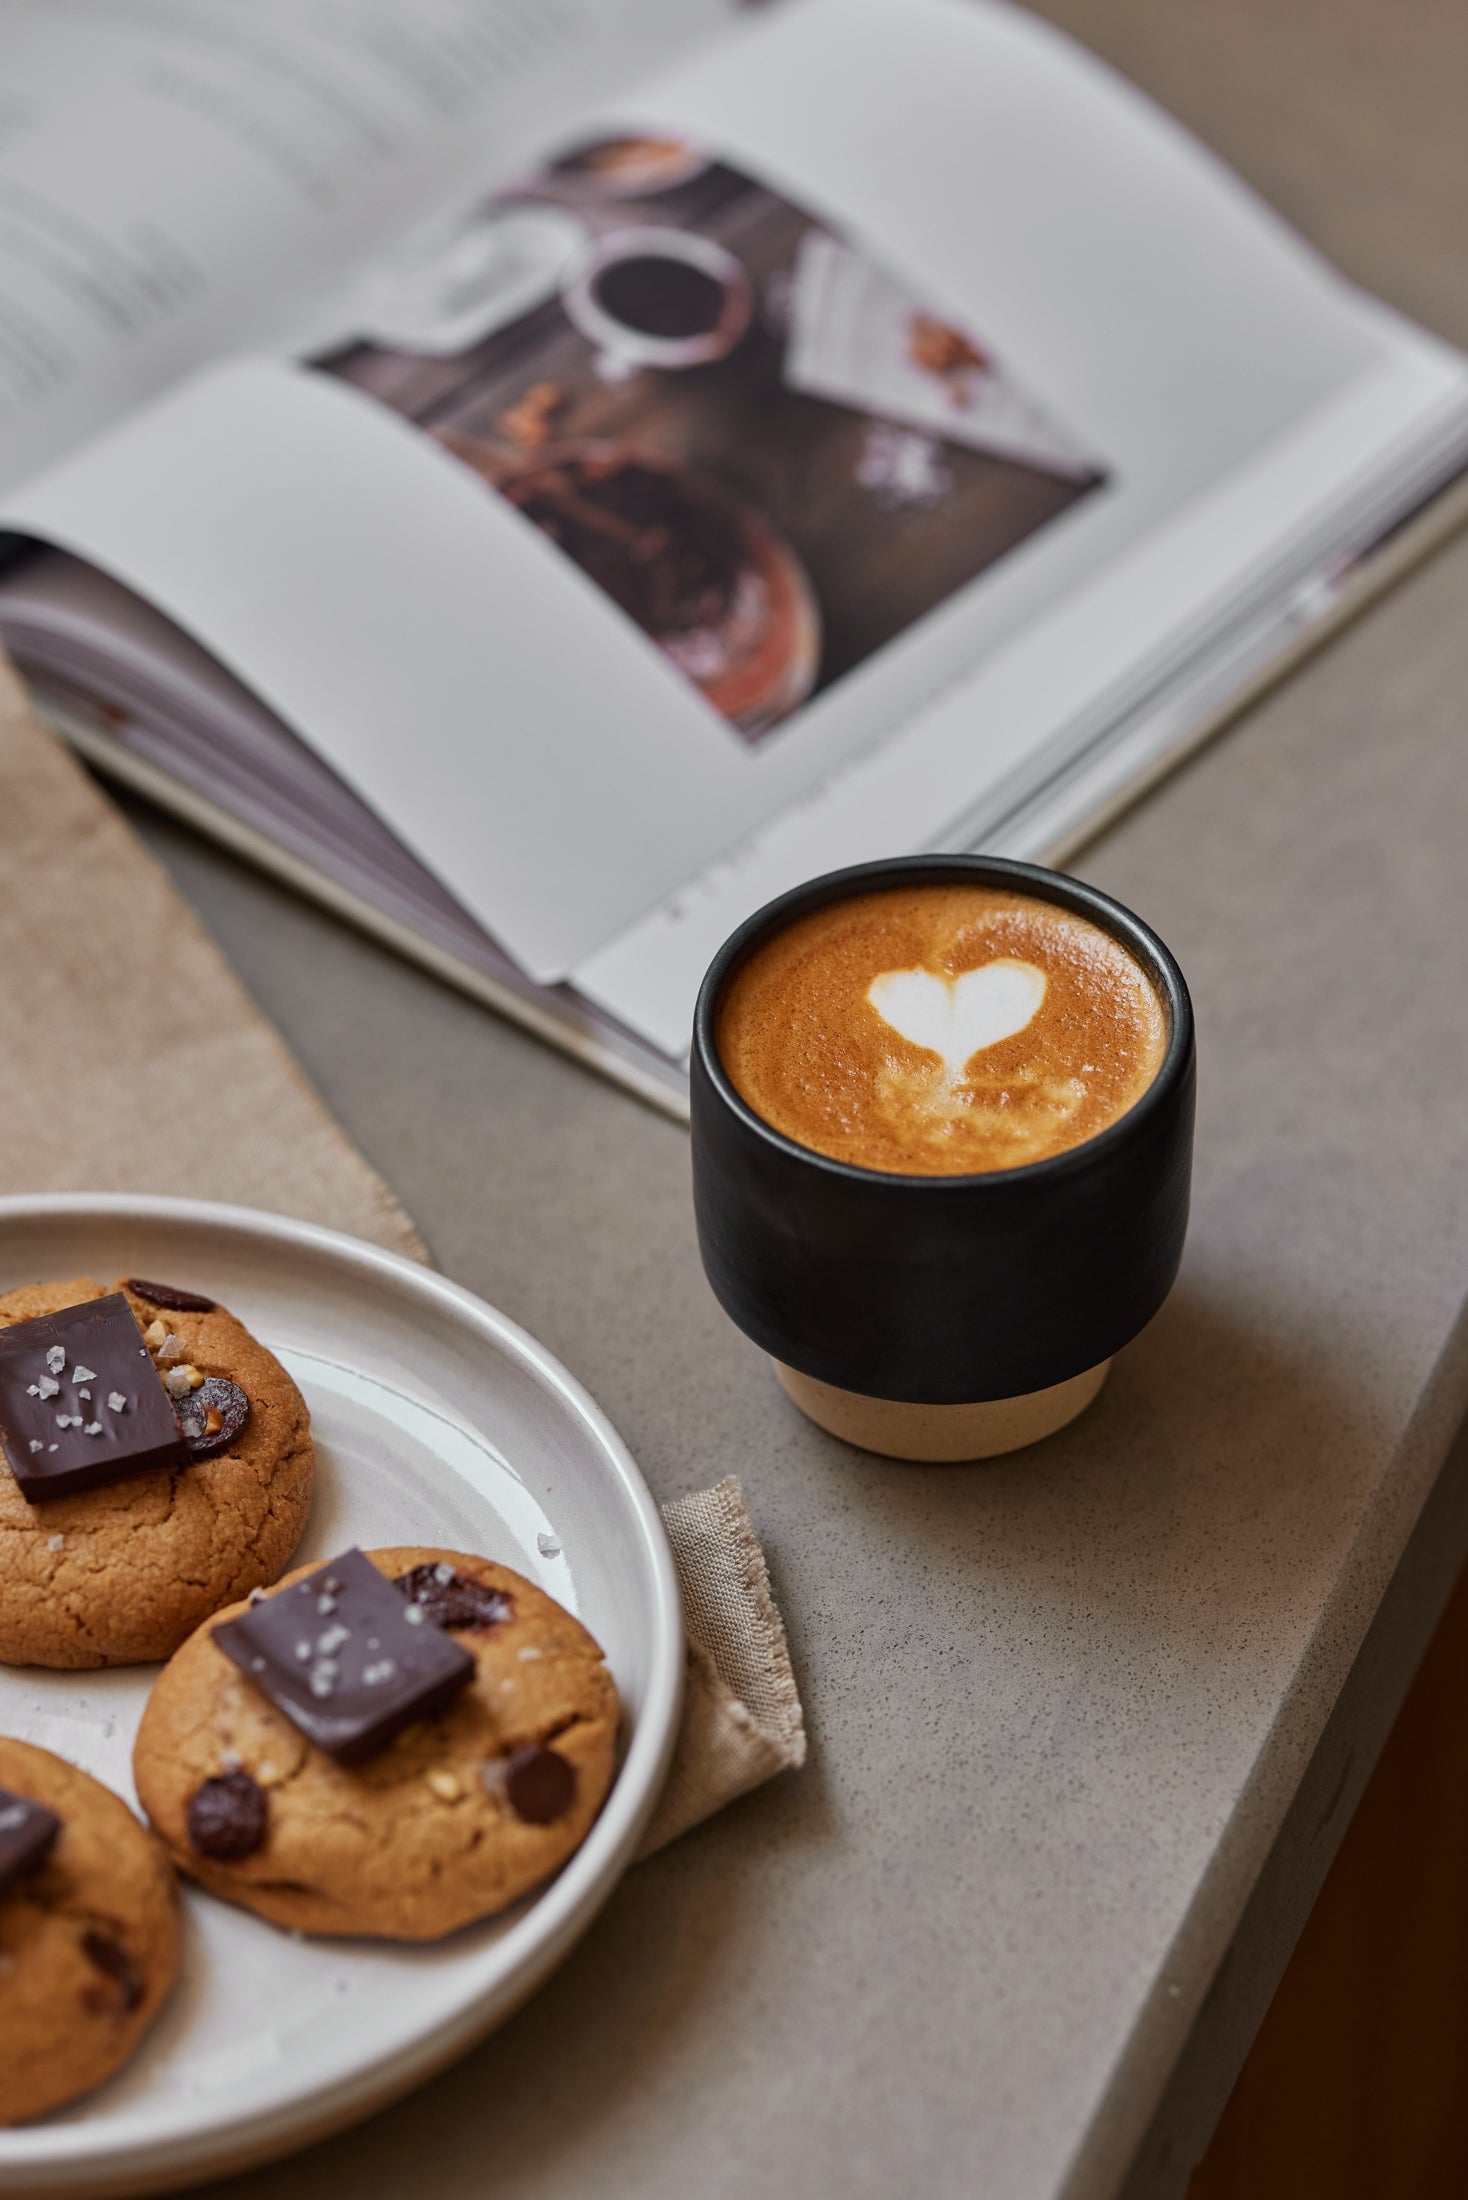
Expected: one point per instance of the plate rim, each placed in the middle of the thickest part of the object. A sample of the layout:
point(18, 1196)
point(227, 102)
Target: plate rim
point(241, 2139)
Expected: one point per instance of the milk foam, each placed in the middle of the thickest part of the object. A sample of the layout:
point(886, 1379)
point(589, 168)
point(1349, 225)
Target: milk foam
point(955, 1017)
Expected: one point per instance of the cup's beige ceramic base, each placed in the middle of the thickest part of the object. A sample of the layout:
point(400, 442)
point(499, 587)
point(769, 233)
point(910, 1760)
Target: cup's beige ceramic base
point(980, 1431)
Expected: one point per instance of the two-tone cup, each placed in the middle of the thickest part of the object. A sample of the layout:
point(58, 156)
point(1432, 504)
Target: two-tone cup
point(942, 1115)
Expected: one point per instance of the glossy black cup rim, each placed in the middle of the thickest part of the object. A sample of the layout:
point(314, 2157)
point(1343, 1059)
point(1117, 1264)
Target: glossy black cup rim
point(1112, 916)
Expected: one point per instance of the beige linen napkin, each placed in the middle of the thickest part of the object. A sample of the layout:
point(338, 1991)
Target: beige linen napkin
point(132, 1060)
point(742, 1721)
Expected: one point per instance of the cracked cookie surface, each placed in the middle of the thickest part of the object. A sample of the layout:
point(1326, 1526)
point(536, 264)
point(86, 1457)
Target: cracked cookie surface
point(122, 1574)
point(89, 1941)
point(461, 1814)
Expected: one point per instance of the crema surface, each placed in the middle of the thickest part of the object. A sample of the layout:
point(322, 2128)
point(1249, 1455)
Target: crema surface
point(941, 1030)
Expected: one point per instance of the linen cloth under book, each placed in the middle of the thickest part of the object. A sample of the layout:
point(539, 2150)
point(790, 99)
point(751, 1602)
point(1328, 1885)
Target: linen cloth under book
point(132, 1060)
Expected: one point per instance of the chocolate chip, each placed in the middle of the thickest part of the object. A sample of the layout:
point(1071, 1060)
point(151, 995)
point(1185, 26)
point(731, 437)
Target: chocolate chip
point(227, 1817)
point(27, 1835)
point(212, 1416)
point(164, 1294)
point(539, 1784)
point(451, 1601)
point(118, 1968)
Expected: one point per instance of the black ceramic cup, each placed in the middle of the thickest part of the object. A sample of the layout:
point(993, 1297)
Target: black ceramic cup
point(944, 1316)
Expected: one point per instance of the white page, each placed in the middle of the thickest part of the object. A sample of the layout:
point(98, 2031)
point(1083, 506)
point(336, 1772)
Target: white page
point(1135, 292)
point(182, 177)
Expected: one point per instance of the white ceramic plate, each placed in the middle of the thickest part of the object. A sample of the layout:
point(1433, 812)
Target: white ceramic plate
point(436, 1421)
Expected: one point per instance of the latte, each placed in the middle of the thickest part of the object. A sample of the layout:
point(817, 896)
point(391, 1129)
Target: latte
point(941, 1030)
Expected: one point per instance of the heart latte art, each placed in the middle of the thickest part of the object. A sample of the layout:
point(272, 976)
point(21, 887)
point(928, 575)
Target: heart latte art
point(941, 1030)
point(954, 1017)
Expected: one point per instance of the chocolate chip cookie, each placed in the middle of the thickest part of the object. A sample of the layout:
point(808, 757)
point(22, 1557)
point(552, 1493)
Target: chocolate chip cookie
point(290, 1772)
point(89, 1933)
point(155, 1464)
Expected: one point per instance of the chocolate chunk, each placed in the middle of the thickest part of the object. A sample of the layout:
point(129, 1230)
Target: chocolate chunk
point(164, 1294)
point(27, 1834)
point(212, 1416)
point(58, 1441)
point(346, 1657)
point(540, 1784)
point(450, 1600)
point(227, 1817)
point(121, 1973)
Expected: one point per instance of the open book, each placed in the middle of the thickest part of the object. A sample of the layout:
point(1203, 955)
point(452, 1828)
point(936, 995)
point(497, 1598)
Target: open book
point(546, 475)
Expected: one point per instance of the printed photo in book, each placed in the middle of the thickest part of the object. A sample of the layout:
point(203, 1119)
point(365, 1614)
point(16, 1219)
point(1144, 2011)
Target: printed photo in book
point(769, 451)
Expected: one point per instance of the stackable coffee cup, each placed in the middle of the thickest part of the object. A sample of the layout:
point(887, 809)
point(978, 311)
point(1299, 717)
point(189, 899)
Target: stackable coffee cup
point(928, 1313)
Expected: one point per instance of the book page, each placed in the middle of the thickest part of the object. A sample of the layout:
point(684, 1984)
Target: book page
point(182, 177)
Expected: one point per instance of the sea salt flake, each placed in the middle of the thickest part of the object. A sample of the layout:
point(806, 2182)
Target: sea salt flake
point(176, 1382)
point(303, 1652)
point(80, 1374)
point(56, 1359)
point(116, 1400)
point(322, 1684)
point(549, 1546)
point(331, 1639)
point(85, 1396)
point(326, 1605)
point(413, 1614)
point(382, 1670)
point(529, 1652)
point(93, 1428)
point(230, 1760)
point(36, 1444)
point(492, 1776)
point(443, 1574)
point(55, 1542)
point(47, 1387)
point(171, 1348)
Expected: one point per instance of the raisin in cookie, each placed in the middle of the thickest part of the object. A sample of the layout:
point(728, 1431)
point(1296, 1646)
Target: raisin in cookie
point(89, 1934)
point(122, 1573)
point(458, 1814)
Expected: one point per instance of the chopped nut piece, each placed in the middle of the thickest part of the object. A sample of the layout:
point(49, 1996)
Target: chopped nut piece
point(154, 1335)
point(268, 1774)
point(444, 1786)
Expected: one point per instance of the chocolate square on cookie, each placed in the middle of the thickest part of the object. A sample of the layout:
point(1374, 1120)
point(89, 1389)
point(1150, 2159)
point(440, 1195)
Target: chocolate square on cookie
point(81, 1403)
point(346, 1657)
point(27, 1833)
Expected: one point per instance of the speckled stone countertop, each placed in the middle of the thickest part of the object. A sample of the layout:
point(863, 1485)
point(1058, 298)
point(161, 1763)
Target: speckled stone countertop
point(1086, 1725)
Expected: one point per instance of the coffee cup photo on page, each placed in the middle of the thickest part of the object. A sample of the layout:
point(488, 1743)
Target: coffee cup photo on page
point(942, 1115)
